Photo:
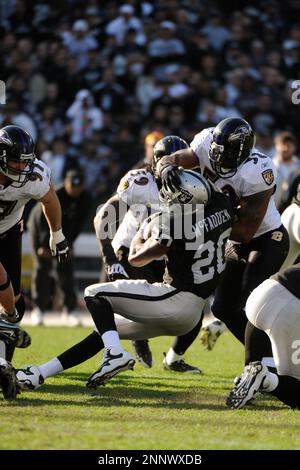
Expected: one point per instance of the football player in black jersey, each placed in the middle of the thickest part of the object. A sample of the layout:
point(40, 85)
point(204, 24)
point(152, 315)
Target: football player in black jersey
point(170, 308)
point(274, 307)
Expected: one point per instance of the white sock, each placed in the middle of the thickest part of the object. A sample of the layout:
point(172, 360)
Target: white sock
point(50, 368)
point(268, 362)
point(111, 339)
point(172, 356)
point(271, 382)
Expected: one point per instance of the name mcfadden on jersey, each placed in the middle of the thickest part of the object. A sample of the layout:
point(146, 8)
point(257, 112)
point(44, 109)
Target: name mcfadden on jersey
point(13, 200)
point(138, 189)
point(195, 262)
point(254, 175)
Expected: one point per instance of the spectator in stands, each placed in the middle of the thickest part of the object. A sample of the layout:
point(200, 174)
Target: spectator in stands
point(286, 163)
point(75, 203)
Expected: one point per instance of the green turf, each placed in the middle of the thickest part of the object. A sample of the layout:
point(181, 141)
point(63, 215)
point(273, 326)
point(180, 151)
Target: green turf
point(144, 409)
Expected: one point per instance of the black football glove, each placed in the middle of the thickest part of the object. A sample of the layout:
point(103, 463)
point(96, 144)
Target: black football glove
point(59, 246)
point(8, 380)
point(62, 251)
point(12, 334)
point(170, 178)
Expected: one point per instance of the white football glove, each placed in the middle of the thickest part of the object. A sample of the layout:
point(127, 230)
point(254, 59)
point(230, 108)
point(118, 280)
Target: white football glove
point(59, 246)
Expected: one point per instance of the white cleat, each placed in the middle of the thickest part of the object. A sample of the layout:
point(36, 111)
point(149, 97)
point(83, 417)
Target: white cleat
point(210, 333)
point(250, 383)
point(29, 378)
point(114, 361)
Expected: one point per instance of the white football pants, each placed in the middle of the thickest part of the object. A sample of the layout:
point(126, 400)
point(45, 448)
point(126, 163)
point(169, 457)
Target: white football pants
point(144, 310)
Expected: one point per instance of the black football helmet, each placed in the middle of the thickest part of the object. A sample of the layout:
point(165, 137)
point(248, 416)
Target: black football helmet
point(232, 142)
point(166, 146)
point(16, 145)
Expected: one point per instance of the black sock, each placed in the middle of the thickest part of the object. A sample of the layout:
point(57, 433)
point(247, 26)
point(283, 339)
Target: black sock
point(102, 314)
point(82, 351)
point(235, 320)
point(182, 343)
point(257, 344)
point(288, 391)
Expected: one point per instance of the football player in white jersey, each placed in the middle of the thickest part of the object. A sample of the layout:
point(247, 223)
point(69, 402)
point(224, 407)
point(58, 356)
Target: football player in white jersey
point(259, 242)
point(23, 177)
point(291, 220)
point(9, 334)
point(274, 307)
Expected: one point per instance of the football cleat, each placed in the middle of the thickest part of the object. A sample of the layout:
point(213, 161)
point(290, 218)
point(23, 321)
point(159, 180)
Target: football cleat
point(29, 378)
point(143, 352)
point(210, 333)
point(250, 384)
point(12, 334)
point(8, 382)
point(114, 361)
point(181, 366)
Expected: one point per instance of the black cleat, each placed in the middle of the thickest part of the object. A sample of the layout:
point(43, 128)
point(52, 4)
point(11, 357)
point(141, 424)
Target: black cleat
point(8, 381)
point(12, 334)
point(181, 366)
point(143, 352)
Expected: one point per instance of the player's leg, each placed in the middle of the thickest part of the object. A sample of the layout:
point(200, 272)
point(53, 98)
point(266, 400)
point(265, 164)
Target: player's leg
point(275, 310)
point(11, 258)
point(151, 272)
point(227, 302)
point(174, 358)
point(291, 221)
point(157, 306)
point(266, 258)
point(33, 376)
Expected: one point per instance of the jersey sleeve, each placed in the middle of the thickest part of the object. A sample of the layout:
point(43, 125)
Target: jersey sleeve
point(162, 229)
point(133, 187)
point(258, 174)
point(39, 183)
point(201, 143)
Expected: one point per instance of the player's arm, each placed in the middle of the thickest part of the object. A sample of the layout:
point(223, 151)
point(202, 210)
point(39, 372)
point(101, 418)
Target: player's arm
point(250, 215)
point(167, 167)
point(52, 211)
point(142, 251)
point(185, 158)
point(106, 223)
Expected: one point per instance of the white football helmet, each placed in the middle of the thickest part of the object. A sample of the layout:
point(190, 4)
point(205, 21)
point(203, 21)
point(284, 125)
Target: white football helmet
point(194, 189)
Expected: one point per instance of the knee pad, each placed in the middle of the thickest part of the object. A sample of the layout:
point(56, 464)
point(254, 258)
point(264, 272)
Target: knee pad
point(96, 304)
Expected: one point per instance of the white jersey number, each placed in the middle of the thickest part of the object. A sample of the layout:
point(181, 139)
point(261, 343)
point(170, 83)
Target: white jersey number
point(214, 259)
point(6, 208)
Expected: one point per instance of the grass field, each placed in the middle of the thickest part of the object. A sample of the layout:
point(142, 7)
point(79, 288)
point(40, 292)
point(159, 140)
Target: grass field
point(144, 409)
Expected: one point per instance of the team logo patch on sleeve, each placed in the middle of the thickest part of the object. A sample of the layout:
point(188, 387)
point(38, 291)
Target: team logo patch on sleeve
point(277, 236)
point(268, 177)
point(123, 185)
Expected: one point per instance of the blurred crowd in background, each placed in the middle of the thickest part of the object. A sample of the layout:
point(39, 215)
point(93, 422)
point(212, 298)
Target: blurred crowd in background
point(90, 79)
